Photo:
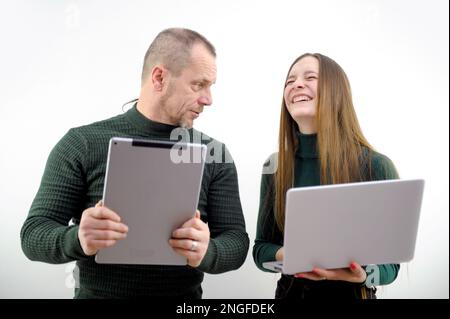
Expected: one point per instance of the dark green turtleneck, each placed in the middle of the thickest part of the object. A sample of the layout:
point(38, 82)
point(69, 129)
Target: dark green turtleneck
point(73, 181)
point(307, 173)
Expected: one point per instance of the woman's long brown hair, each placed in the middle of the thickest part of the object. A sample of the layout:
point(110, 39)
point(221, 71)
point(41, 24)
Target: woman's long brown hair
point(340, 140)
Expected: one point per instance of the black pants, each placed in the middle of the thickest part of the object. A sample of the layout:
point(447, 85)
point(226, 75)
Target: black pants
point(83, 293)
point(289, 287)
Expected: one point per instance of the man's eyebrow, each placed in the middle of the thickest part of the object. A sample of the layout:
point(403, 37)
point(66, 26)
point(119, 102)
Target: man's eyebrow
point(205, 81)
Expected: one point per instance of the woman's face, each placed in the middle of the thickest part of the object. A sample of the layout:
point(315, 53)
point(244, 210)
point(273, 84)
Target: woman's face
point(300, 93)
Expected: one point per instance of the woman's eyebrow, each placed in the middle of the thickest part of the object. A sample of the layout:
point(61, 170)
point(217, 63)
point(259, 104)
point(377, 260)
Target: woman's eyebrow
point(309, 72)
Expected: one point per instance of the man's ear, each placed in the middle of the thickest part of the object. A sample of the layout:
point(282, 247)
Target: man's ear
point(158, 77)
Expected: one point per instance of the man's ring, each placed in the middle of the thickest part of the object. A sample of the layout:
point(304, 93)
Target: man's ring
point(194, 245)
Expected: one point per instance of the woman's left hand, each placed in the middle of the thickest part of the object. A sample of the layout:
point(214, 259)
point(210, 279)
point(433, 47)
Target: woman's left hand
point(355, 273)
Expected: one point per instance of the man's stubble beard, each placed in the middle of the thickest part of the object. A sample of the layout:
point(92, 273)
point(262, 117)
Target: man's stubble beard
point(183, 123)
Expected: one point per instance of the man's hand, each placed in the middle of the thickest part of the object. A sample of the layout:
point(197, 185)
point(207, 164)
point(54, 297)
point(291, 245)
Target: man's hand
point(100, 227)
point(191, 240)
point(355, 273)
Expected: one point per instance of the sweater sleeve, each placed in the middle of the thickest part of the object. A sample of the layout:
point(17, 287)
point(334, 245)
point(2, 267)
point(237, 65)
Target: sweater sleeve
point(46, 235)
point(382, 168)
point(229, 242)
point(268, 237)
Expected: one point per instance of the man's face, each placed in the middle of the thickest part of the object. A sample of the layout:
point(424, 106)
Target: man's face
point(188, 93)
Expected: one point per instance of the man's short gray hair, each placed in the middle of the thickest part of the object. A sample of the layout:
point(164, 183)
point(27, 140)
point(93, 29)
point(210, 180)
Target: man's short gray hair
point(172, 48)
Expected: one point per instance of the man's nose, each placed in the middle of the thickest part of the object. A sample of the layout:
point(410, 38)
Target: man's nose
point(206, 98)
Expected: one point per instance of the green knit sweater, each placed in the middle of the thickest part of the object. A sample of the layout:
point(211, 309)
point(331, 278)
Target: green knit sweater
point(73, 181)
point(307, 173)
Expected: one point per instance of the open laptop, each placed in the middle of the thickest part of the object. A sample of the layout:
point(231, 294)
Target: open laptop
point(331, 226)
point(154, 186)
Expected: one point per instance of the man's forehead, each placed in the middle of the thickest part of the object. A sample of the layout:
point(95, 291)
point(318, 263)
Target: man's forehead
point(204, 69)
point(199, 49)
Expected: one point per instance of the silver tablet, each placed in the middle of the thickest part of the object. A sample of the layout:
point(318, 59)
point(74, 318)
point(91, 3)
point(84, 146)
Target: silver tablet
point(154, 186)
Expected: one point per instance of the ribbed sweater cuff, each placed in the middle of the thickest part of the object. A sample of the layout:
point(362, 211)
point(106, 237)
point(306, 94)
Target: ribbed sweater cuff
point(272, 251)
point(72, 247)
point(210, 257)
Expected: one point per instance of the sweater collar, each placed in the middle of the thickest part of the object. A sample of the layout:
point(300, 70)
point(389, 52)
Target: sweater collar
point(146, 125)
point(307, 145)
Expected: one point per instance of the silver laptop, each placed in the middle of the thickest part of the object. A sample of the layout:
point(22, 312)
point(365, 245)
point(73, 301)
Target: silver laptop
point(330, 226)
point(154, 186)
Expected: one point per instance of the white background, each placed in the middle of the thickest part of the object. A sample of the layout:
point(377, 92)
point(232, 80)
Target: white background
point(69, 63)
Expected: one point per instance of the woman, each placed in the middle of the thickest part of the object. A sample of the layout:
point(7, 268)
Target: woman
point(320, 142)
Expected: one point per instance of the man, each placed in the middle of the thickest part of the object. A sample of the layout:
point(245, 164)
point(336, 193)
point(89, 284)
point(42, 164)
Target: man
point(179, 69)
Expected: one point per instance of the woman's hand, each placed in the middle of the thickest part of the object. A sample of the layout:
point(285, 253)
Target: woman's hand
point(279, 256)
point(355, 273)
